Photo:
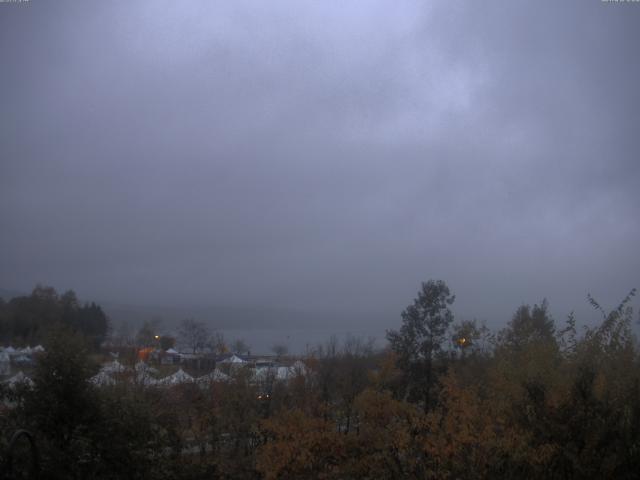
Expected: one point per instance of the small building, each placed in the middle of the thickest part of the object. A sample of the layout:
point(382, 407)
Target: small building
point(170, 357)
point(232, 363)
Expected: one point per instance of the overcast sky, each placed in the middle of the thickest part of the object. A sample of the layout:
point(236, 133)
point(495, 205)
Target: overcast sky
point(321, 155)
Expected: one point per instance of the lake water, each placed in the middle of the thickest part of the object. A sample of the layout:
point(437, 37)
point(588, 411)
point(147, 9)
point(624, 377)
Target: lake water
point(298, 341)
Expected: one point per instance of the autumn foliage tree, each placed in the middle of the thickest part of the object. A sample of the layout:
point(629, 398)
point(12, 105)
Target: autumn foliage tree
point(532, 401)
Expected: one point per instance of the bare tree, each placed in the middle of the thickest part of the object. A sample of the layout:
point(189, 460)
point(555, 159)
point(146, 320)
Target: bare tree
point(193, 334)
point(123, 334)
point(240, 346)
point(280, 350)
point(218, 343)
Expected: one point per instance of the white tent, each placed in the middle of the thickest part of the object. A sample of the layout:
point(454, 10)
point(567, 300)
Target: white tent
point(215, 376)
point(102, 378)
point(144, 374)
point(113, 367)
point(283, 373)
point(233, 359)
point(176, 378)
point(19, 378)
point(298, 368)
point(143, 378)
point(143, 367)
point(287, 373)
point(38, 349)
point(264, 373)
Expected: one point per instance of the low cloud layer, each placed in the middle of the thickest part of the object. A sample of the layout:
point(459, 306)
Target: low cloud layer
point(321, 156)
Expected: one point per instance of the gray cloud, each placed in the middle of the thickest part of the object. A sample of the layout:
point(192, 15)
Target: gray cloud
point(321, 156)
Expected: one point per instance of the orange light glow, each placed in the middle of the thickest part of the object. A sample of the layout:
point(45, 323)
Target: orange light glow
point(143, 353)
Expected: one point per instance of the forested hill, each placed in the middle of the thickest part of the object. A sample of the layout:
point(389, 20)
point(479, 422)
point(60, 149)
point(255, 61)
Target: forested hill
point(26, 319)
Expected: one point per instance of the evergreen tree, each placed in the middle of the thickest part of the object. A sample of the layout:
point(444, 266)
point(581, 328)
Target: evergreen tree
point(421, 336)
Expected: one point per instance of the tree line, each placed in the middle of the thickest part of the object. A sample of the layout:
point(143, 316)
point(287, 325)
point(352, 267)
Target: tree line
point(445, 399)
point(27, 320)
